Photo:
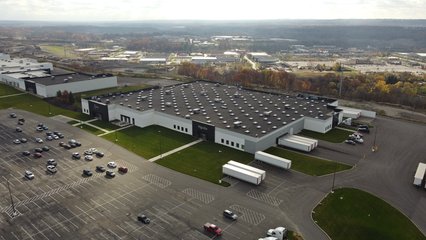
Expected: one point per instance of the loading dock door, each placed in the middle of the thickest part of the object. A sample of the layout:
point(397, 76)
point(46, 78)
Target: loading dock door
point(203, 131)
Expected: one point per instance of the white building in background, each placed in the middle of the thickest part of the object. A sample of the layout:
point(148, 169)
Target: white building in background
point(238, 118)
point(45, 81)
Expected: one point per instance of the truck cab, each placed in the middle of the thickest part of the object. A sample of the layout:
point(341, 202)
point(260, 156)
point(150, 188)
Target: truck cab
point(280, 233)
point(212, 228)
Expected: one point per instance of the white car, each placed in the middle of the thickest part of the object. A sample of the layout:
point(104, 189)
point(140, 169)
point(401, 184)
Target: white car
point(29, 175)
point(88, 157)
point(16, 141)
point(112, 165)
point(52, 169)
point(39, 140)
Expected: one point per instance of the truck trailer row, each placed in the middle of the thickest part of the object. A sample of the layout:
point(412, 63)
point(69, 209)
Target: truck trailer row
point(298, 143)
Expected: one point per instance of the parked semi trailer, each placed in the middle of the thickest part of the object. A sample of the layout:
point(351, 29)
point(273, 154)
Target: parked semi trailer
point(273, 160)
point(248, 168)
point(291, 143)
point(302, 140)
point(420, 173)
point(305, 139)
point(241, 174)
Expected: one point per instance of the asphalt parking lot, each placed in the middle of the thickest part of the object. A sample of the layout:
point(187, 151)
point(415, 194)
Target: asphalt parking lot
point(67, 205)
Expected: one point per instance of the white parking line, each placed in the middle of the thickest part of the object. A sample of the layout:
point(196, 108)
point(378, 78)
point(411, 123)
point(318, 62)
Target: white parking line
point(98, 205)
point(85, 212)
point(118, 226)
point(57, 234)
point(5, 179)
point(67, 220)
point(57, 221)
point(38, 231)
point(77, 216)
point(17, 179)
point(114, 233)
point(17, 237)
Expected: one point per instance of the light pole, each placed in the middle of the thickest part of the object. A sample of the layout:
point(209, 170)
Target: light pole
point(11, 199)
point(375, 148)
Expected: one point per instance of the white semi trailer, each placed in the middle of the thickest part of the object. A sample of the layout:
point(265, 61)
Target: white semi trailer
point(305, 139)
point(291, 143)
point(273, 160)
point(248, 168)
point(242, 174)
point(420, 173)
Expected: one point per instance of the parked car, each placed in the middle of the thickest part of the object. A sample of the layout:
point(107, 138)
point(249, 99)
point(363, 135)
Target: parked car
point(49, 138)
point(39, 129)
point(16, 141)
point(143, 218)
point(364, 130)
point(45, 148)
point(110, 173)
point(23, 140)
point(349, 141)
point(20, 123)
point(55, 137)
point(112, 165)
point(87, 172)
point(29, 175)
point(66, 146)
point(26, 153)
point(229, 214)
point(100, 154)
point(76, 155)
point(49, 133)
point(100, 169)
point(37, 155)
point(52, 162)
point(88, 158)
point(88, 152)
point(123, 169)
point(363, 126)
point(22, 120)
point(61, 144)
point(51, 168)
point(12, 115)
point(39, 150)
point(18, 129)
point(212, 228)
point(38, 140)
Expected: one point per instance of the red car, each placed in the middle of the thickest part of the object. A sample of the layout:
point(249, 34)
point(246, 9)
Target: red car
point(122, 169)
point(37, 155)
point(212, 228)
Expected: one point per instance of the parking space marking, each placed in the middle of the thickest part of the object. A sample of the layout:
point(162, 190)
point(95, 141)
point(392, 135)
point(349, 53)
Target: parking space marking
point(57, 221)
point(122, 229)
point(77, 216)
point(157, 181)
point(255, 194)
point(66, 220)
point(57, 234)
point(203, 197)
point(85, 212)
point(38, 231)
point(113, 233)
point(248, 215)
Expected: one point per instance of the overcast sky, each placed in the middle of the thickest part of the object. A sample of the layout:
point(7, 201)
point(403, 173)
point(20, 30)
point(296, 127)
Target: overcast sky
point(101, 10)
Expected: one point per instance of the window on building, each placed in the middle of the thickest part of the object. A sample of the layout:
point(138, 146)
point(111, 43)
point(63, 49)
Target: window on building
point(178, 127)
point(174, 126)
point(242, 146)
point(227, 142)
point(238, 145)
point(186, 129)
point(221, 140)
point(232, 143)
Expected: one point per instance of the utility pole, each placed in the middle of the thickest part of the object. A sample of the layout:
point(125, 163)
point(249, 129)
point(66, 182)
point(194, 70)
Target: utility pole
point(11, 199)
point(375, 147)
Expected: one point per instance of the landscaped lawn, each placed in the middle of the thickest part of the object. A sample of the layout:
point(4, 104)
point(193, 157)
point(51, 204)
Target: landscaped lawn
point(352, 214)
point(308, 164)
point(90, 129)
point(59, 51)
point(36, 105)
point(335, 135)
point(105, 125)
point(150, 141)
point(204, 160)
point(7, 90)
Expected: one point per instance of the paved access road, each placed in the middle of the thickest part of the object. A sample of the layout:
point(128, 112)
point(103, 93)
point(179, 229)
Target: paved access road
point(69, 206)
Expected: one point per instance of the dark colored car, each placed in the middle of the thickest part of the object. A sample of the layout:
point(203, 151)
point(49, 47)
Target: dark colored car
point(12, 115)
point(18, 129)
point(87, 172)
point(39, 150)
point(143, 218)
point(26, 153)
point(110, 173)
point(45, 148)
point(123, 169)
point(22, 120)
point(363, 126)
point(76, 155)
point(364, 130)
point(100, 154)
point(66, 146)
point(23, 140)
point(100, 169)
point(37, 155)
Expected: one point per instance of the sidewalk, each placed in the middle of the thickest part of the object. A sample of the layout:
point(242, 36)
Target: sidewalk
point(174, 150)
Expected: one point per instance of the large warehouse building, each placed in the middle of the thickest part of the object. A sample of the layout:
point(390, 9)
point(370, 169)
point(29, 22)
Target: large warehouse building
point(42, 80)
point(239, 118)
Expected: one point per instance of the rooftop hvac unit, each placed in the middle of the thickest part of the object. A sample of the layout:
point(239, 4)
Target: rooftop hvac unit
point(267, 113)
point(237, 124)
point(168, 104)
point(196, 110)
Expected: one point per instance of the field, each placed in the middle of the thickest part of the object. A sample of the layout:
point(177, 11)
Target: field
point(105, 125)
point(351, 214)
point(335, 135)
point(150, 141)
point(204, 160)
point(90, 129)
point(59, 51)
point(308, 164)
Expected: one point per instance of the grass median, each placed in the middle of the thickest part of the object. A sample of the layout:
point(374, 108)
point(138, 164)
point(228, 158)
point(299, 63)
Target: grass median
point(204, 160)
point(150, 141)
point(308, 164)
point(352, 214)
point(335, 135)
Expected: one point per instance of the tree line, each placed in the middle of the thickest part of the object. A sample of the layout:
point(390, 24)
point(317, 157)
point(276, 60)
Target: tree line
point(403, 89)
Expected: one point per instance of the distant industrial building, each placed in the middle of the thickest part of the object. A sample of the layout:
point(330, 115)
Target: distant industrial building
point(43, 80)
point(239, 118)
